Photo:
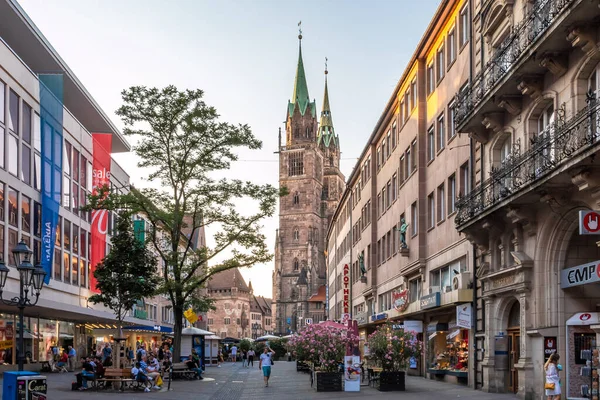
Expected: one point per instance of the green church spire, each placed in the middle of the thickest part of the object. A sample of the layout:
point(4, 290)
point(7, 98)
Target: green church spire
point(326, 133)
point(300, 96)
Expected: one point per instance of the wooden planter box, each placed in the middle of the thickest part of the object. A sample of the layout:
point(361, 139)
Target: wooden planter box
point(392, 381)
point(328, 381)
point(302, 366)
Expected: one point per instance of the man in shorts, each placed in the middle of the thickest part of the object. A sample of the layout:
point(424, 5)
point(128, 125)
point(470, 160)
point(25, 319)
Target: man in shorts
point(265, 364)
point(234, 353)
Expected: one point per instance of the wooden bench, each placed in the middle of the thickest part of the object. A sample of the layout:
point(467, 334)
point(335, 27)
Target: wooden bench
point(181, 369)
point(120, 375)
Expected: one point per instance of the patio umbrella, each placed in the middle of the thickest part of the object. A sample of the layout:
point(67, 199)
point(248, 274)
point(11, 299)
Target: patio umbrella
point(333, 324)
point(230, 340)
point(266, 337)
point(288, 336)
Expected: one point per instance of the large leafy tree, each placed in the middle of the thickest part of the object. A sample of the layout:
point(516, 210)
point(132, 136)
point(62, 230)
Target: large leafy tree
point(187, 150)
point(128, 272)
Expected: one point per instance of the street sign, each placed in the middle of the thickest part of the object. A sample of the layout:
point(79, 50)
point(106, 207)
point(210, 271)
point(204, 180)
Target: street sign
point(589, 222)
point(308, 321)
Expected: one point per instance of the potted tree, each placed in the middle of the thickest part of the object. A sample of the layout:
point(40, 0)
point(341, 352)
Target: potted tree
point(392, 350)
point(324, 347)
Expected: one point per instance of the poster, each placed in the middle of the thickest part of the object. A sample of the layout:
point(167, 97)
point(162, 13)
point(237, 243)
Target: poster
point(198, 345)
point(550, 347)
point(352, 374)
point(464, 316)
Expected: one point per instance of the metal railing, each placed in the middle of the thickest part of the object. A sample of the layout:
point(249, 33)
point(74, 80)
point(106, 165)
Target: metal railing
point(509, 53)
point(548, 151)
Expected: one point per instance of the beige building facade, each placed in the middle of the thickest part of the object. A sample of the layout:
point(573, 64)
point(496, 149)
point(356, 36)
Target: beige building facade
point(412, 169)
point(531, 109)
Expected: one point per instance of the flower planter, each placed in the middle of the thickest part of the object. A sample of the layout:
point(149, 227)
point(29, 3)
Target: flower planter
point(392, 381)
point(328, 381)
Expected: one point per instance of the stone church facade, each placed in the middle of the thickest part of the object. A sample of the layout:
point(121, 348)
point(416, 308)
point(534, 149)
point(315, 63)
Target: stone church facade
point(309, 160)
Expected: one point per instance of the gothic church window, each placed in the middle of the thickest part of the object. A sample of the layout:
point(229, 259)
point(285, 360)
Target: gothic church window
point(296, 234)
point(296, 163)
point(325, 191)
point(296, 264)
point(296, 198)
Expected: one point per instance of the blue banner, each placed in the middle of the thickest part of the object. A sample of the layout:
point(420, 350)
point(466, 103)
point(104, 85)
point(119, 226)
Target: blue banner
point(51, 114)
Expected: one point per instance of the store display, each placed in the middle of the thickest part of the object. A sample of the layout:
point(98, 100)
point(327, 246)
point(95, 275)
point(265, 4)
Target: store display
point(592, 364)
point(449, 353)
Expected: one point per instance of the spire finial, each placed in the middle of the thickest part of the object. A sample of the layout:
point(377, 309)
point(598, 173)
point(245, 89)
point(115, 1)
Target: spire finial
point(300, 30)
point(326, 72)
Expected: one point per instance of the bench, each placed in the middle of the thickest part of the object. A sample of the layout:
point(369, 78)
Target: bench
point(181, 369)
point(120, 375)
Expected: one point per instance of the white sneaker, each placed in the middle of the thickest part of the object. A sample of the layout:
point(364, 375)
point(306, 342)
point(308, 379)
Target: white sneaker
point(156, 387)
point(147, 389)
point(218, 366)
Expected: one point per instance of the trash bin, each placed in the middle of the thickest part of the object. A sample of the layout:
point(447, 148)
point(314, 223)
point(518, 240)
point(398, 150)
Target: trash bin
point(20, 385)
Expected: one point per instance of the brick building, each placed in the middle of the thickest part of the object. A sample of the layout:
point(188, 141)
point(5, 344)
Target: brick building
point(309, 168)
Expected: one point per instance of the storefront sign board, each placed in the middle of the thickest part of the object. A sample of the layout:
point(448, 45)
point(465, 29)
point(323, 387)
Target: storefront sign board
point(379, 317)
point(410, 326)
point(346, 283)
point(430, 301)
point(589, 222)
point(453, 334)
point(580, 275)
point(464, 313)
point(550, 347)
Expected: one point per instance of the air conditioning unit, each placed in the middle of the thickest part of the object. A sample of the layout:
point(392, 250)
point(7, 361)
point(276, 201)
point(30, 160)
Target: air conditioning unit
point(461, 281)
point(434, 289)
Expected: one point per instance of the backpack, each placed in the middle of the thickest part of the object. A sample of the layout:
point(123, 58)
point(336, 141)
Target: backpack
point(271, 357)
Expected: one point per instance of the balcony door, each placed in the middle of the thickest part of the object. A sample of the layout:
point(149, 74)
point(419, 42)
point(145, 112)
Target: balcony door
point(547, 135)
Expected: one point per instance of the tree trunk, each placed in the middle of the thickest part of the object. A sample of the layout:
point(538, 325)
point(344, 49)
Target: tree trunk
point(178, 314)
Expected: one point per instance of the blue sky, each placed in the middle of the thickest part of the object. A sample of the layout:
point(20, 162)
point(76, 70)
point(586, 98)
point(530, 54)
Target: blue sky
point(243, 54)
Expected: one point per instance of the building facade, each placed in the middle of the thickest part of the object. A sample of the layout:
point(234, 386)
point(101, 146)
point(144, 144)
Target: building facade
point(309, 169)
point(394, 253)
point(261, 316)
point(531, 109)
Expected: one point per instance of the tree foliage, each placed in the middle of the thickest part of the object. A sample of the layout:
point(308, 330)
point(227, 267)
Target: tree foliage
point(128, 272)
point(184, 146)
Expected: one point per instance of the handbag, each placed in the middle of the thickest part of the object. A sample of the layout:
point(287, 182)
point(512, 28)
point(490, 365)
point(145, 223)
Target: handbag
point(549, 386)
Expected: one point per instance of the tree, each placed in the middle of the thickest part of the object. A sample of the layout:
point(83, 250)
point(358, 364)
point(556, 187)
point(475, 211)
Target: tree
point(127, 274)
point(182, 143)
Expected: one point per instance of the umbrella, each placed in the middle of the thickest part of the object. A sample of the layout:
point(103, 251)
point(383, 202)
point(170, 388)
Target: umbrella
point(248, 339)
point(230, 340)
point(266, 337)
point(333, 324)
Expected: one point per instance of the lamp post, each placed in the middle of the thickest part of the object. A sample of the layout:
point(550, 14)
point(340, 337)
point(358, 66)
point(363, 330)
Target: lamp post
point(30, 279)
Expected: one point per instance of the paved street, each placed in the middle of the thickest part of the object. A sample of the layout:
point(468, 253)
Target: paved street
point(232, 382)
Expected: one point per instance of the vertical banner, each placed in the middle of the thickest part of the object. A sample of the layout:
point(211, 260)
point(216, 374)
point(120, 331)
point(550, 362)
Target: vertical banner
point(51, 116)
point(139, 230)
point(100, 178)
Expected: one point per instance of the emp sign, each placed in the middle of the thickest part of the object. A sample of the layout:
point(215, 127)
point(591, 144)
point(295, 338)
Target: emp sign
point(580, 275)
point(589, 222)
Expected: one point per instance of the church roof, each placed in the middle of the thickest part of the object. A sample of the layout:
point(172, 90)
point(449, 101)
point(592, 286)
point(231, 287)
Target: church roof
point(319, 296)
point(227, 280)
point(326, 134)
point(300, 96)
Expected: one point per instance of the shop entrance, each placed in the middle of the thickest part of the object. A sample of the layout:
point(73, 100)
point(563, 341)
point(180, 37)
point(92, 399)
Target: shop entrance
point(514, 347)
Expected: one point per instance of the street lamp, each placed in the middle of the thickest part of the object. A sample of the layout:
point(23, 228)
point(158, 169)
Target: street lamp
point(30, 279)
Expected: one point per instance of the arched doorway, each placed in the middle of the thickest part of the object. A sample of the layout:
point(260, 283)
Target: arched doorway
point(514, 346)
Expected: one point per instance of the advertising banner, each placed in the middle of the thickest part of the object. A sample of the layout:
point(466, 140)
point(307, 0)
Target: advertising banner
point(464, 316)
point(51, 128)
point(100, 178)
point(352, 374)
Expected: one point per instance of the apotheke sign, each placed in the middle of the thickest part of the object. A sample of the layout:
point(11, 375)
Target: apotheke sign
point(346, 302)
point(580, 275)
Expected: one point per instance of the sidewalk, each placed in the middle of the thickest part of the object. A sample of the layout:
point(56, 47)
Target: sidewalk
point(232, 382)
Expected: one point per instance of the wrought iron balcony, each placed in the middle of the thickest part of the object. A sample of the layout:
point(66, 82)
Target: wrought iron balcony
point(509, 54)
point(519, 172)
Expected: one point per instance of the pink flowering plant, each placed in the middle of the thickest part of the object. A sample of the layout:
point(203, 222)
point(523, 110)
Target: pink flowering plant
point(393, 349)
point(324, 346)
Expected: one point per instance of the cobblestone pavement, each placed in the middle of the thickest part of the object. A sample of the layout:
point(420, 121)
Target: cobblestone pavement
point(232, 382)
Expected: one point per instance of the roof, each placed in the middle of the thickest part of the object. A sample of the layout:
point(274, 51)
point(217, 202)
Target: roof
point(24, 38)
point(261, 304)
point(319, 296)
point(227, 280)
point(300, 95)
point(326, 134)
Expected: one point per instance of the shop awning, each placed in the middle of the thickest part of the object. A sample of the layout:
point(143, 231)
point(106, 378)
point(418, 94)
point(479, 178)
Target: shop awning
point(584, 318)
point(150, 329)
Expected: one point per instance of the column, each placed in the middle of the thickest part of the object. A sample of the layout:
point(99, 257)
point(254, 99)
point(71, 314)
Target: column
point(524, 366)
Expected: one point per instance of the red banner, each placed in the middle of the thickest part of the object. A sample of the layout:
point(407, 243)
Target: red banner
point(100, 178)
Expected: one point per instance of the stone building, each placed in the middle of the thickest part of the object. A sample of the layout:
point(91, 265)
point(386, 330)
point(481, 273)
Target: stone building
point(232, 301)
point(531, 110)
point(309, 168)
point(261, 319)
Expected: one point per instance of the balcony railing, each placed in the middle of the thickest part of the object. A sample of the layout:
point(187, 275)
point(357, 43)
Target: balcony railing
point(551, 149)
point(508, 55)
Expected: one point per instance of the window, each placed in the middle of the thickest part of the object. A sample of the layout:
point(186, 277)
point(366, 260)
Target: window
point(441, 65)
point(13, 112)
point(402, 170)
point(13, 155)
point(406, 105)
point(413, 94)
point(2, 101)
point(394, 136)
point(451, 43)
point(414, 290)
point(389, 144)
point(25, 214)
point(451, 194)
point(384, 200)
point(401, 110)
point(441, 203)
point(430, 144)
point(394, 187)
point(463, 20)
point(389, 193)
point(409, 162)
point(296, 234)
point(227, 321)
point(13, 208)
point(296, 163)
point(440, 133)
point(431, 209)
point(451, 116)
point(464, 179)
point(414, 218)
point(413, 146)
point(296, 198)
point(379, 205)
point(430, 79)
point(67, 158)
point(378, 158)
point(296, 264)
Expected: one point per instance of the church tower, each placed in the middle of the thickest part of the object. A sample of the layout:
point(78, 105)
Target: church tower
point(309, 169)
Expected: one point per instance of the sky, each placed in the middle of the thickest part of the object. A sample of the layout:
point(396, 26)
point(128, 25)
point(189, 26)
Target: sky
point(243, 55)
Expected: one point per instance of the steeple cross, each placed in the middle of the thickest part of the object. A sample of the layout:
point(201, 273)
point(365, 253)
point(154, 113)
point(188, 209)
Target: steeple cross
point(300, 29)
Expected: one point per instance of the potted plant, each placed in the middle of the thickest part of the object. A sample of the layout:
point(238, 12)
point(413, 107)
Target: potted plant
point(392, 350)
point(324, 347)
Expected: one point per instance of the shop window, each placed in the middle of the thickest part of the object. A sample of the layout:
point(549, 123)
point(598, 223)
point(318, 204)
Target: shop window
point(67, 267)
point(583, 341)
point(67, 235)
point(75, 270)
point(57, 268)
point(13, 207)
point(449, 351)
point(82, 275)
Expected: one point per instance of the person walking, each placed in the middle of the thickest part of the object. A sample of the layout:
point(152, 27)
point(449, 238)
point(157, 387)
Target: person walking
point(251, 357)
point(552, 385)
point(72, 358)
point(244, 358)
point(265, 364)
point(234, 350)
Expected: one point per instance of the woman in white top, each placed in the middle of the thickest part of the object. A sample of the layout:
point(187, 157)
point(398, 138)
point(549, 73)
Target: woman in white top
point(552, 378)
